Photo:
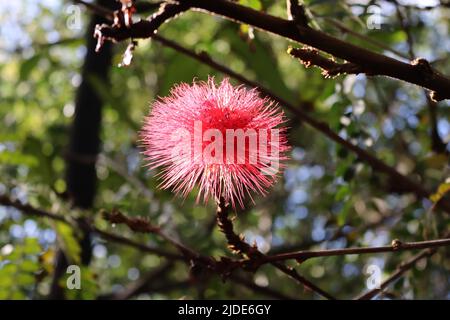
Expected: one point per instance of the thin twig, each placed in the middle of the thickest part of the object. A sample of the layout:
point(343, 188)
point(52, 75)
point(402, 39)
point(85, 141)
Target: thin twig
point(30, 210)
point(338, 234)
point(401, 269)
point(143, 225)
point(136, 244)
point(394, 247)
point(99, 10)
point(142, 285)
point(238, 245)
point(363, 37)
point(123, 172)
point(437, 145)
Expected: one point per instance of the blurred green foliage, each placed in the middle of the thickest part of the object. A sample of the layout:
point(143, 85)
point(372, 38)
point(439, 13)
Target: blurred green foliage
point(325, 190)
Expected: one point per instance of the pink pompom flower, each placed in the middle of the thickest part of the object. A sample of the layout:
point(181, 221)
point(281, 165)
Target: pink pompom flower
point(223, 139)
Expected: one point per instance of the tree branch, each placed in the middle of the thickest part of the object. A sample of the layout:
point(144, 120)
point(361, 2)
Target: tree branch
point(309, 56)
point(30, 210)
point(437, 145)
point(143, 225)
point(394, 247)
point(402, 268)
point(377, 64)
point(338, 234)
point(141, 29)
point(343, 28)
point(238, 245)
point(256, 258)
point(136, 244)
point(225, 266)
point(139, 225)
point(135, 288)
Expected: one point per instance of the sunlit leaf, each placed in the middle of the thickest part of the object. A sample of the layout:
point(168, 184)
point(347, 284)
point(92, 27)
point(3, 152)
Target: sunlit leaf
point(28, 65)
point(69, 242)
point(442, 190)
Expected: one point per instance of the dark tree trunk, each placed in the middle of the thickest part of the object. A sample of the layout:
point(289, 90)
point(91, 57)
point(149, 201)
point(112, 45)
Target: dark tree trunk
point(84, 144)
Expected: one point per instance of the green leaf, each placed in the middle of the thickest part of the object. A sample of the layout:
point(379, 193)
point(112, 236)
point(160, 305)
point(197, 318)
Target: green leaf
point(32, 246)
point(179, 69)
point(9, 269)
point(28, 65)
point(29, 266)
point(5, 280)
point(441, 191)
point(17, 295)
point(17, 158)
point(254, 4)
point(25, 279)
point(342, 193)
point(342, 216)
point(115, 101)
point(69, 242)
point(4, 294)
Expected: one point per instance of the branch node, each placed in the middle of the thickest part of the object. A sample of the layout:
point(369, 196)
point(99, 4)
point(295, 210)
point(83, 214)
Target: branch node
point(423, 65)
point(123, 27)
point(138, 224)
point(396, 244)
point(436, 96)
